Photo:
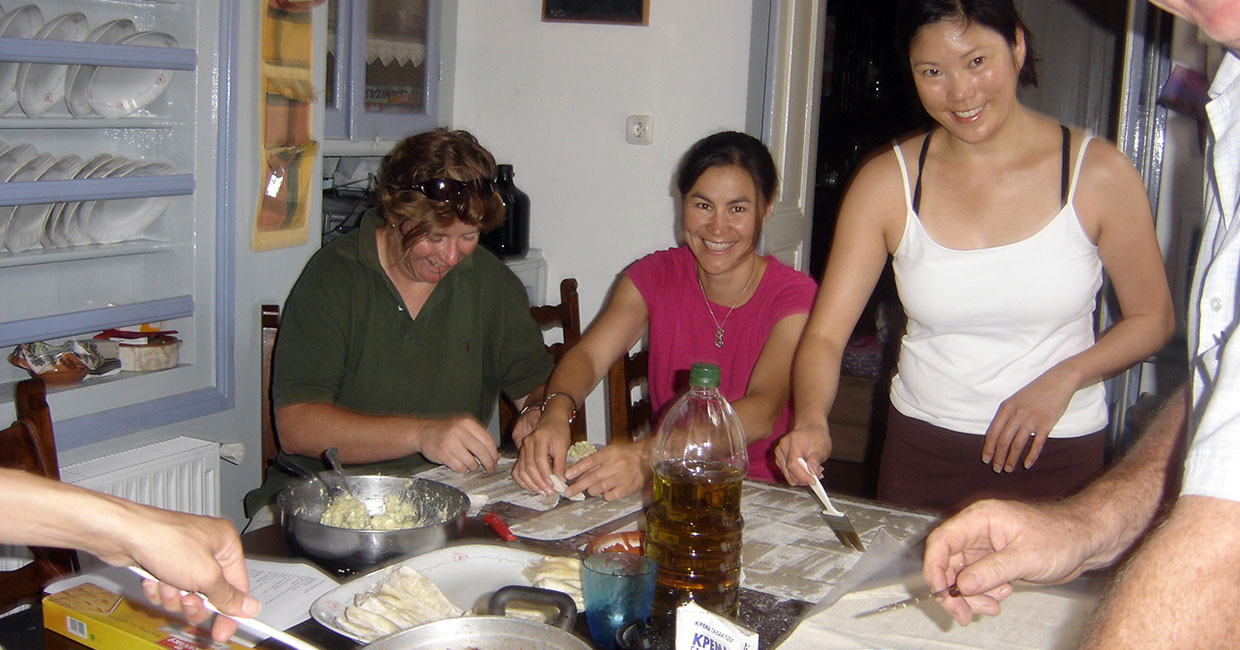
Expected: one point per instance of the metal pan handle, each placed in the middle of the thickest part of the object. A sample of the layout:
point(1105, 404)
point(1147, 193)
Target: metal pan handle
point(566, 609)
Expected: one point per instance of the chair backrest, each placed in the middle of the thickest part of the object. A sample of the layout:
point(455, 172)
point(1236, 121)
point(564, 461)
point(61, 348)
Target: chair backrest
point(567, 316)
point(269, 324)
point(630, 418)
point(28, 445)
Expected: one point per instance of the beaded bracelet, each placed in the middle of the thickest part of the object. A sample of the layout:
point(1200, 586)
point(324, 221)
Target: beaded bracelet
point(572, 414)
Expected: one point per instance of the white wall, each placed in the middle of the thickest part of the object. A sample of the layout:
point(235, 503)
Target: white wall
point(551, 98)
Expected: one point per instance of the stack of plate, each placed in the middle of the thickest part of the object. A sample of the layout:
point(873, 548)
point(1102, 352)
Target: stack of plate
point(74, 223)
point(77, 79)
point(23, 22)
point(107, 91)
point(41, 85)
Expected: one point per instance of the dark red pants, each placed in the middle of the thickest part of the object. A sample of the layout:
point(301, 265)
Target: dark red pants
point(925, 466)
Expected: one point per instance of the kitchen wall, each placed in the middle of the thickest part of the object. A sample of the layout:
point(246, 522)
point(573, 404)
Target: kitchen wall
point(551, 98)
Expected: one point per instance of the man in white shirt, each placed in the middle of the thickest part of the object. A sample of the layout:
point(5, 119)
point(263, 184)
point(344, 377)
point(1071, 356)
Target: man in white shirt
point(1181, 587)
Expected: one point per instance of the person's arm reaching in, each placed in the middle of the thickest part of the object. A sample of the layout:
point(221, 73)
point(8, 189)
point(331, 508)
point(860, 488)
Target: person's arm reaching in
point(186, 552)
point(870, 223)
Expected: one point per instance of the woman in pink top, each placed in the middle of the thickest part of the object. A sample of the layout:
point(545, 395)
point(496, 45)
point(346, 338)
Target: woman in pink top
point(714, 299)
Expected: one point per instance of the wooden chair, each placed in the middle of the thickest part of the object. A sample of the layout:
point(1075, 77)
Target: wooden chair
point(269, 324)
point(28, 445)
point(630, 418)
point(567, 316)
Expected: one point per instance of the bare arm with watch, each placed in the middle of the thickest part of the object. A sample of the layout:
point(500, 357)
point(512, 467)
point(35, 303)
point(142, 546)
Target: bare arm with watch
point(542, 451)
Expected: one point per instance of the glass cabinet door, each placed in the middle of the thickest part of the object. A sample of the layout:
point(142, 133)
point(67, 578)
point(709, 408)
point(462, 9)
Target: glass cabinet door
point(382, 68)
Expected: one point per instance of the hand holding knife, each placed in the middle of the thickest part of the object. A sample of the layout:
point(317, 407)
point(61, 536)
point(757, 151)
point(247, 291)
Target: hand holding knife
point(901, 604)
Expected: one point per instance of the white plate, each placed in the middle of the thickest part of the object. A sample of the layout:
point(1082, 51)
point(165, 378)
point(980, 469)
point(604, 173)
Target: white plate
point(466, 574)
point(72, 232)
point(72, 235)
point(30, 171)
point(50, 238)
point(56, 236)
point(22, 22)
point(116, 167)
point(26, 225)
point(14, 157)
point(41, 85)
point(117, 92)
point(116, 220)
point(78, 76)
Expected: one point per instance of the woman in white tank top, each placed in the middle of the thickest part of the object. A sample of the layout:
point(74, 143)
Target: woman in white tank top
point(999, 222)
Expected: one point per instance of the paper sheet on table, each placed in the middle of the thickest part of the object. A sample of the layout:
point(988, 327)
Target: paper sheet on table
point(886, 560)
point(561, 518)
point(1041, 618)
point(286, 590)
point(790, 552)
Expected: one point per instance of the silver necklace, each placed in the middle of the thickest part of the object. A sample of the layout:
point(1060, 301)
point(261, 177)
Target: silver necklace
point(719, 324)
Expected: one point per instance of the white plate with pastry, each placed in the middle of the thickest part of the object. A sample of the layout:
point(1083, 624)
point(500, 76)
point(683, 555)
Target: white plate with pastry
point(467, 575)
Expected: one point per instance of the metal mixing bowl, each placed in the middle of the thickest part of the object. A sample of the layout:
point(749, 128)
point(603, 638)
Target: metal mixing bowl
point(301, 506)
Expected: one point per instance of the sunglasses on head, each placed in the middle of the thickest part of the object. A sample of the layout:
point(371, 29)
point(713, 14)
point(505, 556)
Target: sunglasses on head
point(445, 190)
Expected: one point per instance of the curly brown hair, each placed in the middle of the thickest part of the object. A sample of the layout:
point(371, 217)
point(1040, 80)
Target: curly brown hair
point(437, 154)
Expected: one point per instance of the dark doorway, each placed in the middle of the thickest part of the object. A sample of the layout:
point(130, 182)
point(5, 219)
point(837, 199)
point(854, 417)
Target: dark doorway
point(867, 99)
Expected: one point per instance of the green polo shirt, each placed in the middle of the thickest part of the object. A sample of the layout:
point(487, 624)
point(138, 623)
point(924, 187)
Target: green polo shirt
point(346, 338)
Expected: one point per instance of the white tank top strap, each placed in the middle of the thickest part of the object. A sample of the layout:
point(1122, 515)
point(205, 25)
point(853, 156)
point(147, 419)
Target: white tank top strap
point(908, 197)
point(1076, 168)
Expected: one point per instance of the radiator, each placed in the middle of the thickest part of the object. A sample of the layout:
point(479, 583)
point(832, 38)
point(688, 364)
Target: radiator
point(178, 474)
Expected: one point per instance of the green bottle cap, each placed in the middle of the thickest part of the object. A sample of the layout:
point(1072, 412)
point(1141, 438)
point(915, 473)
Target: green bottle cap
point(704, 375)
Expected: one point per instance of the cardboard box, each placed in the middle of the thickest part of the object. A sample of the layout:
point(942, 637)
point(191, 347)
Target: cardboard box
point(101, 619)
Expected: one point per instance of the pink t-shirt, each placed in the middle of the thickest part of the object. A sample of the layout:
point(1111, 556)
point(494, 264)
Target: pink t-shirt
point(682, 333)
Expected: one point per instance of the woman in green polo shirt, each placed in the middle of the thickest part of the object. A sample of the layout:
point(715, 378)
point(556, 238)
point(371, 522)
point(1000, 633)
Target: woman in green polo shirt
point(398, 337)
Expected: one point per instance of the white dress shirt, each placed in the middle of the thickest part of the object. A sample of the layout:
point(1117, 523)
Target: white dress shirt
point(1214, 348)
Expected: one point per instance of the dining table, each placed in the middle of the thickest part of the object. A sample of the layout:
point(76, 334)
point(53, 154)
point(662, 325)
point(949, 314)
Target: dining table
point(801, 587)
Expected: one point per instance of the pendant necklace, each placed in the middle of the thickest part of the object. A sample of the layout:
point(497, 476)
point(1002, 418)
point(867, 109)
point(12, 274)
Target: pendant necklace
point(719, 324)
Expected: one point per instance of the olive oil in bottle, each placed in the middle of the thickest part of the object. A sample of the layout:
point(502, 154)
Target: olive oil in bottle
point(694, 525)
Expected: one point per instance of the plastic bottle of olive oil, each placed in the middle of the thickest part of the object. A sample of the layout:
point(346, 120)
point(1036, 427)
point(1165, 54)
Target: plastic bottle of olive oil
point(693, 527)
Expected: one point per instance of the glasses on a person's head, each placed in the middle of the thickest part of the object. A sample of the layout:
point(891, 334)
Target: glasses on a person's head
point(446, 190)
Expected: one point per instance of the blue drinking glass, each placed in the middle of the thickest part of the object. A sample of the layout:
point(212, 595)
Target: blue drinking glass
point(618, 588)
